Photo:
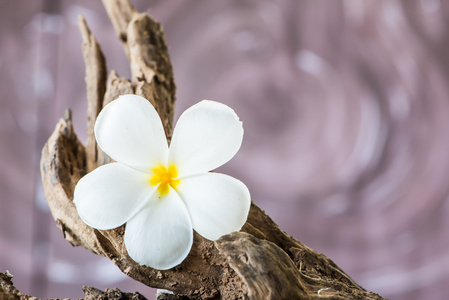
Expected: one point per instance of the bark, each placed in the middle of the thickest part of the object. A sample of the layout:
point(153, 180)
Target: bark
point(260, 262)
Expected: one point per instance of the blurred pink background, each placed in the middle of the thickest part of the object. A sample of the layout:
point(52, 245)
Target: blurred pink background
point(345, 106)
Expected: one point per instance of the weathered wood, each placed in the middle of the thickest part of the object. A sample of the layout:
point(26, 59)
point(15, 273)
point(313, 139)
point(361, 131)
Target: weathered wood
point(95, 85)
point(63, 166)
point(92, 293)
point(144, 42)
point(120, 13)
point(115, 87)
point(9, 292)
point(268, 272)
point(262, 262)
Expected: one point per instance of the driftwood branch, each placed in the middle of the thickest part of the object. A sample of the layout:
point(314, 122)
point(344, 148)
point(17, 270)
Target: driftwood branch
point(10, 292)
point(95, 85)
point(261, 262)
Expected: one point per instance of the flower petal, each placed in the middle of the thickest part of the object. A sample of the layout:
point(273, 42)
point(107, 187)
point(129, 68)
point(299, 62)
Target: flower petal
point(110, 195)
point(218, 204)
point(160, 235)
point(206, 136)
point(130, 131)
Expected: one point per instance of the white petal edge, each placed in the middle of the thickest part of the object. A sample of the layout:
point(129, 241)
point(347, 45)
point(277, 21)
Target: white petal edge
point(130, 131)
point(160, 236)
point(218, 204)
point(110, 195)
point(206, 136)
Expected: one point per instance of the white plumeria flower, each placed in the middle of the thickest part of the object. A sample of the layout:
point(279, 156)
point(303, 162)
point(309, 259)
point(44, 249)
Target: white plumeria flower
point(162, 192)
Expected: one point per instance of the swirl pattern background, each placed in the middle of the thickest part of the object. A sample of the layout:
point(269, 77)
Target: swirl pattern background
point(346, 114)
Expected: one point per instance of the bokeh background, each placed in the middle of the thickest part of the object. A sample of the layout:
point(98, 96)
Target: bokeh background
point(345, 106)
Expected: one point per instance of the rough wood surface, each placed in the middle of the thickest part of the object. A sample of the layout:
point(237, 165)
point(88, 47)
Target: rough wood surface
point(144, 43)
point(261, 262)
point(9, 292)
point(96, 86)
point(92, 293)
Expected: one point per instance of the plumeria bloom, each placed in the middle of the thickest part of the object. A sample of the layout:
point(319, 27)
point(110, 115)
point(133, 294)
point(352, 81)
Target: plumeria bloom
point(163, 192)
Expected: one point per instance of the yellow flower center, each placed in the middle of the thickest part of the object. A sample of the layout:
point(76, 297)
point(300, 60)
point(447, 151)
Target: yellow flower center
point(164, 178)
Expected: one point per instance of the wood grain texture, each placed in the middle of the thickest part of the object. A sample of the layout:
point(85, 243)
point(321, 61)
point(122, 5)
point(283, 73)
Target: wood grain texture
point(261, 262)
point(96, 86)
